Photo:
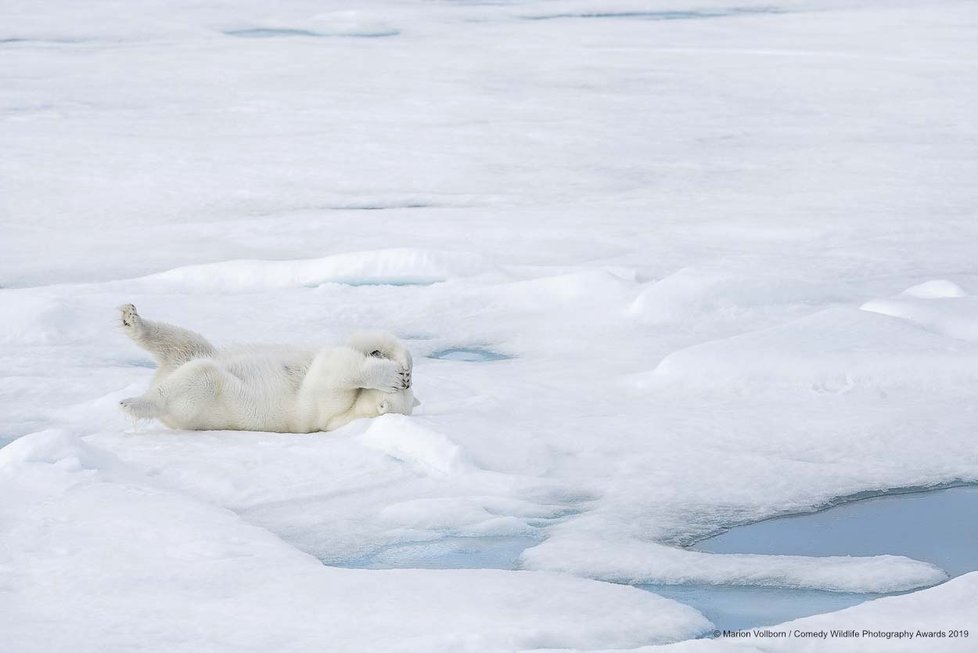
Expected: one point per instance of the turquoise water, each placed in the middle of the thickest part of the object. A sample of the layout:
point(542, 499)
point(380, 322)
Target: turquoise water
point(936, 526)
point(268, 32)
point(664, 14)
point(280, 32)
point(738, 608)
point(491, 552)
point(469, 355)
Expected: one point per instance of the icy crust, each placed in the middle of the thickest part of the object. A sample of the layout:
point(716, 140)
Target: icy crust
point(647, 562)
point(381, 267)
point(120, 563)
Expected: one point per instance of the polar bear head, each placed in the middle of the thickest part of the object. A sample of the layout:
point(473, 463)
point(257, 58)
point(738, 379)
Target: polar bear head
point(382, 345)
point(386, 345)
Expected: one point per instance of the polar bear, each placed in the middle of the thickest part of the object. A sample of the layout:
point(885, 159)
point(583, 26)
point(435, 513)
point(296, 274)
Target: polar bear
point(267, 388)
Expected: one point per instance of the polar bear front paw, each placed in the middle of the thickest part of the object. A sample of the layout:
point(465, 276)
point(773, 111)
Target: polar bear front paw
point(387, 376)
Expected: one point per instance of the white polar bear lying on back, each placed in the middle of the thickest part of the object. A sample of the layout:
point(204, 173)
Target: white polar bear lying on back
point(268, 388)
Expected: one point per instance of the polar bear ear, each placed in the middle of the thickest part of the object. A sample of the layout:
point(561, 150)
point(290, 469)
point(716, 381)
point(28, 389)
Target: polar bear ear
point(417, 402)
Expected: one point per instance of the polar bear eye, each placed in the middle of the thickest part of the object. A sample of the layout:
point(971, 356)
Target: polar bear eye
point(376, 353)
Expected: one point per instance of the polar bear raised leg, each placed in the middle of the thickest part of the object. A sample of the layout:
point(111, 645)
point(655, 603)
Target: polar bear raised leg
point(172, 386)
point(170, 345)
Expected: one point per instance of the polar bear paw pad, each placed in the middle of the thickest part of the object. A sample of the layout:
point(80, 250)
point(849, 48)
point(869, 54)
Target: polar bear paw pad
point(130, 318)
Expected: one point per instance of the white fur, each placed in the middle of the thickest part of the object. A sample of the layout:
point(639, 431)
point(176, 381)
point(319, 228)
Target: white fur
point(268, 388)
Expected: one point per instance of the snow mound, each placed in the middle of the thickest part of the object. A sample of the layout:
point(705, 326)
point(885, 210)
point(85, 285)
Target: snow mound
point(568, 289)
point(33, 320)
point(936, 289)
point(692, 292)
point(940, 309)
point(353, 23)
point(409, 441)
point(834, 350)
point(388, 266)
point(637, 562)
point(57, 447)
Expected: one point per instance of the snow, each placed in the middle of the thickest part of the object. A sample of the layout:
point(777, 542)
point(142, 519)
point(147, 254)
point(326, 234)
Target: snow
point(726, 254)
point(939, 309)
point(936, 289)
point(386, 267)
point(105, 560)
point(647, 562)
point(833, 350)
point(414, 445)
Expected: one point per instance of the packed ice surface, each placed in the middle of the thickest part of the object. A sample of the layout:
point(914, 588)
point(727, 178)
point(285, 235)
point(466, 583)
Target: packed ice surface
point(728, 250)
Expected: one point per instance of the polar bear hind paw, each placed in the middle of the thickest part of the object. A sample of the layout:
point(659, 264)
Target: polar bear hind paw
point(140, 408)
point(130, 318)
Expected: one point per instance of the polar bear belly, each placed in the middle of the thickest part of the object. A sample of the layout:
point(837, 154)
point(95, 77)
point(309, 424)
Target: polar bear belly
point(239, 391)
